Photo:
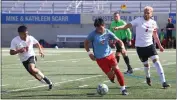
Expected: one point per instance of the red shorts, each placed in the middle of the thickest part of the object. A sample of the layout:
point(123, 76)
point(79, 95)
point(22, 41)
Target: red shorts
point(106, 63)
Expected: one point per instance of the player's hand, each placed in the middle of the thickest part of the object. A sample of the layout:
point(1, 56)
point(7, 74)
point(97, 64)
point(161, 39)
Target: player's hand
point(161, 48)
point(22, 50)
point(169, 28)
point(92, 57)
point(129, 43)
point(116, 28)
point(41, 53)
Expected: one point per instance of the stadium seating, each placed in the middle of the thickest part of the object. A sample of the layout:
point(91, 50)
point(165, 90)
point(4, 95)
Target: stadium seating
point(63, 7)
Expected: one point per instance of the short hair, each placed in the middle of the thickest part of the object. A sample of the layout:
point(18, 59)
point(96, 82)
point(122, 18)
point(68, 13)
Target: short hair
point(22, 28)
point(98, 22)
point(148, 8)
point(116, 13)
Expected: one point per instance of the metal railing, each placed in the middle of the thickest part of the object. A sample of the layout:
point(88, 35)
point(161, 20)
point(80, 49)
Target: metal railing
point(80, 6)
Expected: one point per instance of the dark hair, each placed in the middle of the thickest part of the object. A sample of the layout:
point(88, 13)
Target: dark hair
point(22, 28)
point(98, 22)
point(116, 13)
point(162, 29)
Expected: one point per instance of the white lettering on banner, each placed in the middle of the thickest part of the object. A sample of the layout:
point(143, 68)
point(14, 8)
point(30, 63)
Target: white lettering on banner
point(12, 18)
point(37, 18)
point(125, 18)
point(60, 18)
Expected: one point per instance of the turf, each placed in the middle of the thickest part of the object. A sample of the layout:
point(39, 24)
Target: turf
point(75, 76)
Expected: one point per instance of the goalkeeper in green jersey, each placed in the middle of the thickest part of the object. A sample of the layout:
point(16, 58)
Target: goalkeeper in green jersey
point(125, 36)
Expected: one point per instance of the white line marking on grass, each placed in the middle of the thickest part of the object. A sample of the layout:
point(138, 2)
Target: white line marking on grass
point(106, 81)
point(48, 61)
point(55, 84)
point(5, 84)
point(83, 86)
point(170, 63)
point(74, 61)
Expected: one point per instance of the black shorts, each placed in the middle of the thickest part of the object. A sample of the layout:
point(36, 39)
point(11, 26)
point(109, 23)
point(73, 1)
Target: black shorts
point(118, 47)
point(30, 60)
point(145, 52)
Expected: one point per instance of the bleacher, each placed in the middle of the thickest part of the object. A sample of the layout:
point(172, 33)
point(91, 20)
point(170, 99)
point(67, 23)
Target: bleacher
point(64, 7)
point(82, 7)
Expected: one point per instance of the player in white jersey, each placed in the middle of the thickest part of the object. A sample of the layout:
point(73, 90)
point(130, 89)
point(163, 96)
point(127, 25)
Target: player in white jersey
point(23, 46)
point(146, 28)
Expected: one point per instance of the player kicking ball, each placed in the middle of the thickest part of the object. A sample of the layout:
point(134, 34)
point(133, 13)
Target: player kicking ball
point(103, 54)
point(146, 28)
point(23, 46)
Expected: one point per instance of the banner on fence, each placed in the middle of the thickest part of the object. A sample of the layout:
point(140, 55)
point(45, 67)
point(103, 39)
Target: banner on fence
point(40, 18)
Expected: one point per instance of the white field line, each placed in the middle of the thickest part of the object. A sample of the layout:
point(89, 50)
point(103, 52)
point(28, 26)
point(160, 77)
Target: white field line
point(77, 80)
point(83, 86)
point(55, 84)
point(136, 69)
point(5, 84)
point(49, 61)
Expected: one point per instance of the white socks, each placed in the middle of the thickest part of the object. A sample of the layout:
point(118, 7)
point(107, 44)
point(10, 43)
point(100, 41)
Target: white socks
point(147, 71)
point(160, 71)
point(123, 88)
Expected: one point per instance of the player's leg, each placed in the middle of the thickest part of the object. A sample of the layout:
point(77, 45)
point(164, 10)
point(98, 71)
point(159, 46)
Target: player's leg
point(160, 70)
point(118, 52)
point(144, 59)
point(36, 72)
point(126, 58)
point(102, 63)
point(120, 78)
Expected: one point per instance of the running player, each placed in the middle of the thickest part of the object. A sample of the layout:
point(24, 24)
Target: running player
point(125, 36)
point(146, 28)
point(102, 52)
point(26, 53)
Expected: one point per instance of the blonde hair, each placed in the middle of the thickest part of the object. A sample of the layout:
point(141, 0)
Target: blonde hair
point(148, 8)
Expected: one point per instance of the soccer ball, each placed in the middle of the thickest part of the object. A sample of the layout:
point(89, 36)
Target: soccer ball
point(102, 89)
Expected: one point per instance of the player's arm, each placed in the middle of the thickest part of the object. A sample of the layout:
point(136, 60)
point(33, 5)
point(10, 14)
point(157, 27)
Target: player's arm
point(156, 38)
point(112, 36)
point(86, 46)
point(36, 43)
point(13, 50)
point(123, 27)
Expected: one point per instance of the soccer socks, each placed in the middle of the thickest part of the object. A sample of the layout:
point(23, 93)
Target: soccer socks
point(47, 80)
point(118, 58)
point(120, 77)
point(43, 77)
point(126, 59)
point(147, 71)
point(160, 71)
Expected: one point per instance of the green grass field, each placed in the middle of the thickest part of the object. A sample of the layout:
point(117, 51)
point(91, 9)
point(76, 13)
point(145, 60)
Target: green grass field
point(75, 76)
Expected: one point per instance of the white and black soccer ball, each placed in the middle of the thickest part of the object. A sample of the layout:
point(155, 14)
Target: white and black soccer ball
point(102, 89)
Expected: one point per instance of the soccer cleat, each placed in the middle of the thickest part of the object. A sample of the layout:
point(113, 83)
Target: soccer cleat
point(112, 80)
point(130, 71)
point(148, 81)
point(50, 86)
point(165, 85)
point(124, 92)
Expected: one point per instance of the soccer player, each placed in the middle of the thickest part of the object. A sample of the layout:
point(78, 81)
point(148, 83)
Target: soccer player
point(169, 29)
point(125, 36)
point(146, 28)
point(26, 53)
point(102, 52)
